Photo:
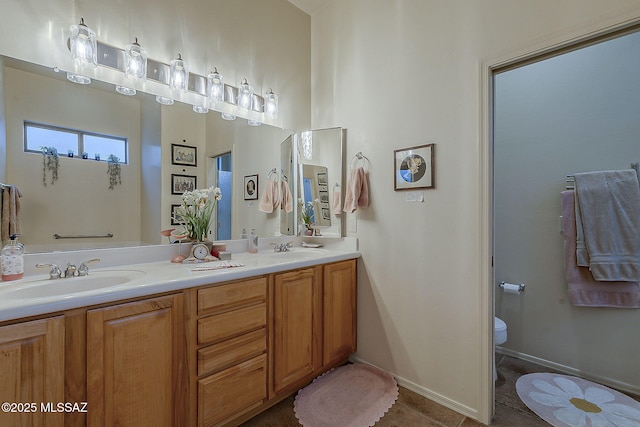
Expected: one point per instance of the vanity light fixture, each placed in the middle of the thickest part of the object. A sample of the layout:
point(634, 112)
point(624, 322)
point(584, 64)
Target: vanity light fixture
point(179, 75)
point(124, 90)
point(164, 100)
point(228, 116)
point(245, 95)
point(84, 51)
point(135, 61)
point(215, 87)
point(271, 105)
point(200, 109)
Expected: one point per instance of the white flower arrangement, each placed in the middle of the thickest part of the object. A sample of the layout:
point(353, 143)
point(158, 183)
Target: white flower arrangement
point(194, 214)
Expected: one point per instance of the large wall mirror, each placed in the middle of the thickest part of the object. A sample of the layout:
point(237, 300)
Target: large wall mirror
point(80, 203)
point(319, 192)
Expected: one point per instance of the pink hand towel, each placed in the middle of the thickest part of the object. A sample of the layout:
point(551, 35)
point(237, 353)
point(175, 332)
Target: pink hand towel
point(357, 195)
point(269, 199)
point(336, 203)
point(9, 215)
point(287, 200)
point(584, 290)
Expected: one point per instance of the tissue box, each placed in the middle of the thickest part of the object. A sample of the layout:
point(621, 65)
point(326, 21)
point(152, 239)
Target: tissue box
point(223, 256)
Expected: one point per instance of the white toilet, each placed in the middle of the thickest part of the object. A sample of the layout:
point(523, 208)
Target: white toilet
point(499, 337)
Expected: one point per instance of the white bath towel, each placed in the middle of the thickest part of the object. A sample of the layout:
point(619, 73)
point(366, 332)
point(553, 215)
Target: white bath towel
point(357, 195)
point(609, 203)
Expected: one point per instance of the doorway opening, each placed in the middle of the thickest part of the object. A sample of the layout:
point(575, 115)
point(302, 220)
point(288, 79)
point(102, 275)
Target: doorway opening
point(220, 175)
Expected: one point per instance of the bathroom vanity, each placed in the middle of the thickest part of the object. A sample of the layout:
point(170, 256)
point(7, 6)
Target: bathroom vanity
point(179, 346)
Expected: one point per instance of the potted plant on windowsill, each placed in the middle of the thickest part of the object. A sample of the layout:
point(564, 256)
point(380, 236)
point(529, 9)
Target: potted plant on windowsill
point(50, 162)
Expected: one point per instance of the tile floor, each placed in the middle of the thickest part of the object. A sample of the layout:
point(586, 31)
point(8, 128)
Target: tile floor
point(413, 410)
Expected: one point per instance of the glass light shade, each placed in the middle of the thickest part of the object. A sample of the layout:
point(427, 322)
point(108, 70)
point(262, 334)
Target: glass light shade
point(215, 87)
point(200, 109)
point(271, 105)
point(179, 74)
point(83, 45)
point(164, 100)
point(305, 145)
point(228, 116)
point(125, 90)
point(77, 78)
point(135, 61)
point(245, 94)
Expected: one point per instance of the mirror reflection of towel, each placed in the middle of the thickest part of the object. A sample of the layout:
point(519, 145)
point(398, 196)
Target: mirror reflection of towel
point(287, 199)
point(336, 205)
point(10, 221)
point(270, 198)
point(357, 195)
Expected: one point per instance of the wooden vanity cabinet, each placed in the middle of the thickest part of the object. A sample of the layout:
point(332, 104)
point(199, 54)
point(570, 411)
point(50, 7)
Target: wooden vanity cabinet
point(230, 350)
point(339, 312)
point(297, 327)
point(32, 371)
point(135, 363)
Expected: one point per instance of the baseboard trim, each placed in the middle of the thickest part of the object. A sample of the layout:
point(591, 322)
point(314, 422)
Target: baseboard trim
point(425, 392)
point(609, 382)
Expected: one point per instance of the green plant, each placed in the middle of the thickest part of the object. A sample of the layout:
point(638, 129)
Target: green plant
point(194, 214)
point(307, 211)
point(50, 162)
point(114, 170)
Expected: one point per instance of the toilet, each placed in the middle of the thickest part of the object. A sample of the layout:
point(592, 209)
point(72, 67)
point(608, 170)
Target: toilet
point(499, 337)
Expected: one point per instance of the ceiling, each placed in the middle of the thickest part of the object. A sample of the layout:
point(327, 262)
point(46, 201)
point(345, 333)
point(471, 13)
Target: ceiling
point(309, 6)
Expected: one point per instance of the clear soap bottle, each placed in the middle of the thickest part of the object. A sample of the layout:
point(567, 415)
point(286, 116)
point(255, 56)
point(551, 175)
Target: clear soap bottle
point(253, 242)
point(12, 260)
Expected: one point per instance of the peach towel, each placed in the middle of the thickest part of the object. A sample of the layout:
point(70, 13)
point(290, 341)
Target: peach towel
point(584, 290)
point(336, 209)
point(10, 222)
point(286, 201)
point(357, 195)
point(269, 199)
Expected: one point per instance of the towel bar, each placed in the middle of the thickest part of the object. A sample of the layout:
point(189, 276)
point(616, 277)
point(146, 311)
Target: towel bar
point(82, 236)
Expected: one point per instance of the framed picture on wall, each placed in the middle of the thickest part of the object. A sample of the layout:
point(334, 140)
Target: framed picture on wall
point(414, 168)
point(251, 187)
point(184, 155)
point(173, 214)
point(182, 183)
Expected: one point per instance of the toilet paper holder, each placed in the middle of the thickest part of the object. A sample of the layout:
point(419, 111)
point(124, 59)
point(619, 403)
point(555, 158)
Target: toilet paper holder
point(519, 287)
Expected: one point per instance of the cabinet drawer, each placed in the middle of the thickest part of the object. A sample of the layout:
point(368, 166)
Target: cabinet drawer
point(232, 392)
point(223, 297)
point(231, 323)
point(220, 356)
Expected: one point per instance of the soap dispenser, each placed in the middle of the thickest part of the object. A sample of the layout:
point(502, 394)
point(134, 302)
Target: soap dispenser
point(12, 260)
point(243, 235)
point(253, 242)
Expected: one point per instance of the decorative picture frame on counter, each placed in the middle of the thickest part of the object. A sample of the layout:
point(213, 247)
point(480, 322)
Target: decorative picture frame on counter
point(182, 183)
point(184, 155)
point(251, 187)
point(414, 168)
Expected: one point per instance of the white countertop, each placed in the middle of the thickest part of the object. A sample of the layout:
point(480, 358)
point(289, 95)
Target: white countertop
point(115, 279)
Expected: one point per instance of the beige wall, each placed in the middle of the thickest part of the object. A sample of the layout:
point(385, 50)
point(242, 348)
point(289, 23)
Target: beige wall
point(80, 201)
point(403, 73)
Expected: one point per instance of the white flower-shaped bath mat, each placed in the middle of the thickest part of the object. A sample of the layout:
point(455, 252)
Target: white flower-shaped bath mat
point(566, 401)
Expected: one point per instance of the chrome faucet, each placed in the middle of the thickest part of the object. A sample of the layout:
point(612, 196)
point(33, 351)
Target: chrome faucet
point(70, 271)
point(83, 270)
point(54, 272)
point(282, 247)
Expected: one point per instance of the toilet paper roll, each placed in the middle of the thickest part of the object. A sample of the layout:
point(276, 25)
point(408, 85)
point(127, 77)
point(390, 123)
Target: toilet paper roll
point(510, 288)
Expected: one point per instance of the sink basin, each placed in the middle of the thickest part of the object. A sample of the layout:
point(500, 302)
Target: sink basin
point(58, 287)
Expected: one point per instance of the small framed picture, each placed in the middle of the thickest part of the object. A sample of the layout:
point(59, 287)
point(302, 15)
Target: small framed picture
point(174, 215)
point(414, 168)
point(182, 183)
point(184, 155)
point(251, 187)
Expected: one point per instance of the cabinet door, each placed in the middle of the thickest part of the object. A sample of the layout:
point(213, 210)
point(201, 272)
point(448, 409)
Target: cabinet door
point(339, 308)
point(135, 355)
point(297, 337)
point(32, 371)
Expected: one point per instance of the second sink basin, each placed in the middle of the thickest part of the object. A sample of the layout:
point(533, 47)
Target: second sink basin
point(73, 285)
